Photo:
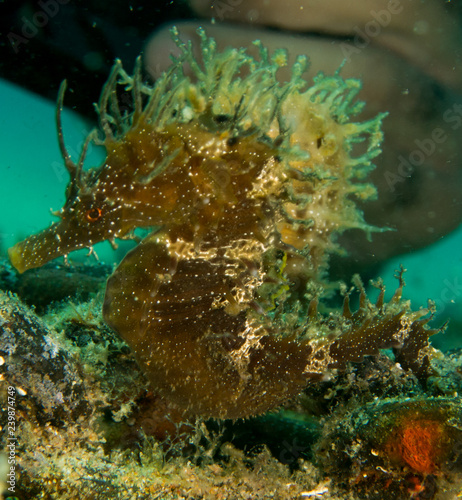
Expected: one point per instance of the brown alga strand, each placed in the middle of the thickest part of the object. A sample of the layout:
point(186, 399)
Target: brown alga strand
point(245, 183)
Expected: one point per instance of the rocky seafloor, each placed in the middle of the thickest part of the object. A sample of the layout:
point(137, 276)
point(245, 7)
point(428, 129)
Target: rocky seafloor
point(79, 420)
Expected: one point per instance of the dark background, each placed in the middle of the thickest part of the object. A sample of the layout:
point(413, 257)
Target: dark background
point(43, 42)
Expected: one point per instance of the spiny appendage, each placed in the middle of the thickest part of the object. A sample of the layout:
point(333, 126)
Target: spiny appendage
point(233, 92)
point(75, 169)
point(215, 95)
point(321, 187)
point(337, 163)
point(341, 337)
point(385, 325)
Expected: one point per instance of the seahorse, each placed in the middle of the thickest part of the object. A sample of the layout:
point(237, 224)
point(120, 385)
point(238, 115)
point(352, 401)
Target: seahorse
point(243, 184)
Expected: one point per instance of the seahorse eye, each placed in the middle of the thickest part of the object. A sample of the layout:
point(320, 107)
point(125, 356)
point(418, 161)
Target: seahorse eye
point(93, 214)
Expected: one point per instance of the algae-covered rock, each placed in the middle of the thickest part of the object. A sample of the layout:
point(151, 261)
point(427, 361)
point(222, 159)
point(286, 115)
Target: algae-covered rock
point(47, 378)
point(396, 447)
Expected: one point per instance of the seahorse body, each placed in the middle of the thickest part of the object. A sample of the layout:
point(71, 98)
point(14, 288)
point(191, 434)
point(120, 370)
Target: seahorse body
point(245, 183)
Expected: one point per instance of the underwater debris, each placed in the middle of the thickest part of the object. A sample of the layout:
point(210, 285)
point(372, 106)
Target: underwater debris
point(247, 182)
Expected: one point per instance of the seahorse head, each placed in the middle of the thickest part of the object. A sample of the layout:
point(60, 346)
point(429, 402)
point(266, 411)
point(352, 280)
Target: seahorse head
point(93, 210)
point(86, 218)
